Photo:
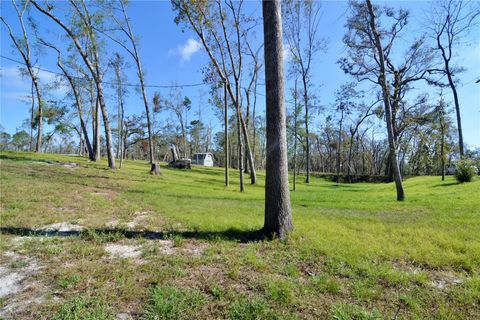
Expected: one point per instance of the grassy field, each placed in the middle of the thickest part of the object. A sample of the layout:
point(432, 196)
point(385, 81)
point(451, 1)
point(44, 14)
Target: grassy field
point(84, 242)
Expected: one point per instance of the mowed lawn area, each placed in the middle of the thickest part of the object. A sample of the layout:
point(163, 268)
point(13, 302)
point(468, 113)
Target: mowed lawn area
point(80, 241)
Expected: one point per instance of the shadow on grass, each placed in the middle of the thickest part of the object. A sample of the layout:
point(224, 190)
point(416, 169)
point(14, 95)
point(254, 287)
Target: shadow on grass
point(231, 234)
point(19, 158)
point(344, 187)
point(447, 184)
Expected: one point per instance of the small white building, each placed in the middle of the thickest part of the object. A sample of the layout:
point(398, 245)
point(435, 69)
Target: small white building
point(203, 159)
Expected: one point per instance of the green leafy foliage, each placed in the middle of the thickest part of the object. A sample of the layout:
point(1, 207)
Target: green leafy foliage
point(465, 171)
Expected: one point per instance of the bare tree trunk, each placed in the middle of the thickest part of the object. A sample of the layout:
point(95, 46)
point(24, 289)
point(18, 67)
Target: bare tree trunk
point(119, 133)
point(117, 65)
point(94, 67)
point(119, 140)
point(82, 123)
point(307, 133)
point(78, 101)
point(454, 24)
point(81, 147)
point(230, 154)
point(457, 111)
point(138, 62)
point(388, 111)
point(221, 69)
point(25, 53)
point(442, 142)
point(97, 130)
point(121, 129)
point(339, 149)
point(225, 124)
point(38, 146)
point(240, 151)
point(278, 212)
point(295, 125)
point(350, 147)
point(94, 110)
point(184, 138)
point(32, 115)
point(253, 173)
point(247, 121)
point(106, 124)
point(254, 154)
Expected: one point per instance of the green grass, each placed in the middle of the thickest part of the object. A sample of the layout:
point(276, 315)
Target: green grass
point(355, 253)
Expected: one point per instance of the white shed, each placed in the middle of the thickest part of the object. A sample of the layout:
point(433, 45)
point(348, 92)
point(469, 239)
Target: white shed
point(203, 159)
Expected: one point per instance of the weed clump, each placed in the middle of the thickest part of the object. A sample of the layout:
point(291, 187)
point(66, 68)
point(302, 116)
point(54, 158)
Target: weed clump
point(466, 170)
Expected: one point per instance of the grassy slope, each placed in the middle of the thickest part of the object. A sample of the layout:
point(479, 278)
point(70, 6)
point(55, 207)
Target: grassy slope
point(355, 252)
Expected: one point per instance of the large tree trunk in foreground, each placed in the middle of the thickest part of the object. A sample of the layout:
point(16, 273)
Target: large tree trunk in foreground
point(278, 212)
point(388, 109)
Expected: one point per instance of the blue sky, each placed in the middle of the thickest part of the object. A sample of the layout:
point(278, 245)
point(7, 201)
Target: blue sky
point(172, 56)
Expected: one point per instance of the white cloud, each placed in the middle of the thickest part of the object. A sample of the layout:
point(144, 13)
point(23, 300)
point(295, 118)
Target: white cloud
point(16, 95)
point(187, 50)
point(46, 77)
point(287, 54)
point(11, 77)
point(12, 81)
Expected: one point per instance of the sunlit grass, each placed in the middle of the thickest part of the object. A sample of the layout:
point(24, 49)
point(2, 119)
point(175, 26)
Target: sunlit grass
point(355, 250)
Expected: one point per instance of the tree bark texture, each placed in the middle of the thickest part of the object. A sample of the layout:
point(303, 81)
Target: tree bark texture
point(278, 212)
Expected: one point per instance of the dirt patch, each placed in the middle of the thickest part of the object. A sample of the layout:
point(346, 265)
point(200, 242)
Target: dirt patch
point(63, 164)
point(442, 280)
point(16, 269)
point(438, 279)
point(167, 246)
point(112, 223)
point(9, 282)
point(194, 248)
point(124, 316)
point(138, 218)
point(100, 193)
point(123, 251)
point(62, 227)
point(18, 288)
point(70, 165)
point(407, 267)
point(204, 276)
